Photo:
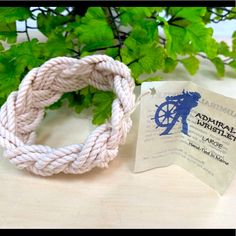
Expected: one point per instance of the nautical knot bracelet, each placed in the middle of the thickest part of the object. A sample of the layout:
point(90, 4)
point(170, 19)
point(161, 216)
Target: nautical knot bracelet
point(41, 87)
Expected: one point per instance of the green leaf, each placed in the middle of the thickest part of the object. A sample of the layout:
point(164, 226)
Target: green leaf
point(85, 53)
point(12, 14)
point(191, 64)
point(9, 78)
point(15, 63)
point(219, 64)
point(207, 17)
point(232, 14)
point(211, 49)
point(234, 44)
point(193, 14)
point(56, 45)
point(151, 79)
point(8, 32)
point(145, 33)
point(200, 37)
point(112, 52)
point(141, 51)
point(8, 18)
point(133, 15)
point(87, 94)
point(94, 13)
point(193, 38)
point(233, 64)
point(150, 60)
point(94, 31)
point(56, 105)
point(83, 99)
point(102, 102)
point(60, 9)
point(170, 65)
point(1, 47)
point(70, 98)
point(224, 49)
point(136, 70)
point(202, 40)
point(176, 40)
point(26, 55)
point(48, 23)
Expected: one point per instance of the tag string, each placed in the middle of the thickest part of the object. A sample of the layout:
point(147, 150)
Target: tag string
point(138, 101)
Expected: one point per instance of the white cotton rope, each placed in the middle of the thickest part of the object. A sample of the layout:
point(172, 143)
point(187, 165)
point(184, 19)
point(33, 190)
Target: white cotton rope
point(41, 87)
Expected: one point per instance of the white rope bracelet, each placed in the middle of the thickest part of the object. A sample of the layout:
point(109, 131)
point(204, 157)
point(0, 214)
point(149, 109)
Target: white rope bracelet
point(41, 87)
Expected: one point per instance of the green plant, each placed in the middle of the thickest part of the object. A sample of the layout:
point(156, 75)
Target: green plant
point(131, 35)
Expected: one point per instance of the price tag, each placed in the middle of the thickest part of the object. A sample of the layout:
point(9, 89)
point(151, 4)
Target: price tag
point(184, 124)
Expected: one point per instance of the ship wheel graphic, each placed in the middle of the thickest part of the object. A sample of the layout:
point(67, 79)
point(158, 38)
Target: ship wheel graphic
point(175, 107)
point(165, 114)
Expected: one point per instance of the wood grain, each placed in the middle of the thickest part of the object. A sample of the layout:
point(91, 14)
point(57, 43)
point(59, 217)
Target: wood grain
point(116, 197)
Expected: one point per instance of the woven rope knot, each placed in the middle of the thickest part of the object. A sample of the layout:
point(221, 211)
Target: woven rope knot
point(41, 87)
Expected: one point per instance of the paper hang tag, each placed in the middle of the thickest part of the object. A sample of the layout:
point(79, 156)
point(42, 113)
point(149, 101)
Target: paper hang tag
point(192, 127)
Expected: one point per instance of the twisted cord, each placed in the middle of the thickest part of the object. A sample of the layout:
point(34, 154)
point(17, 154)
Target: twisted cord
point(24, 110)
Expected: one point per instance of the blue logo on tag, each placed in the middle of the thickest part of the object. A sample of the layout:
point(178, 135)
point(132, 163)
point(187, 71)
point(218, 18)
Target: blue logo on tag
point(175, 107)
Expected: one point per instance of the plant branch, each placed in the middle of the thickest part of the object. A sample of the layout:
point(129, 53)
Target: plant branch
point(227, 10)
point(203, 56)
point(136, 60)
point(116, 32)
point(162, 40)
point(54, 12)
point(67, 10)
point(118, 15)
point(76, 52)
point(104, 48)
point(226, 61)
point(37, 9)
point(217, 14)
point(125, 33)
point(223, 17)
point(30, 27)
point(26, 30)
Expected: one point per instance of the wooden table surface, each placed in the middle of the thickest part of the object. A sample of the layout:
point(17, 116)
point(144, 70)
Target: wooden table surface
point(115, 197)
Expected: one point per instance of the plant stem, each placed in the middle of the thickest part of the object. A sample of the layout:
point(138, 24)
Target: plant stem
point(30, 27)
point(104, 48)
point(136, 60)
point(26, 30)
point(115, 31)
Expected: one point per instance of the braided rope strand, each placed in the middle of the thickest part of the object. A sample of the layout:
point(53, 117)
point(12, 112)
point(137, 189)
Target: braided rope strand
point(24, 110)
